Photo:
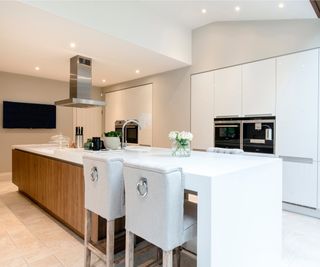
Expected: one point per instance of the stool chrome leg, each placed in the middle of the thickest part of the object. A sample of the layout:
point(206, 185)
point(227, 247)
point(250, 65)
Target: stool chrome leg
point(167, 259)
point(129, 249)
point(87, 237)
point(110, 244)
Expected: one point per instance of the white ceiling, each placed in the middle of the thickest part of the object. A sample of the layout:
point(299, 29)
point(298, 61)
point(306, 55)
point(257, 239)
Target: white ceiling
point(188, 13)
point(120, 36)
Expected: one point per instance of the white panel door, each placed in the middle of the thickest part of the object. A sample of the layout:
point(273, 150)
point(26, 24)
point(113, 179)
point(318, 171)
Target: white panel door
point(132, 103)
point(259, 88)
point(202, 110)
point(227, 92)
point(297, 105)
point(300, 182)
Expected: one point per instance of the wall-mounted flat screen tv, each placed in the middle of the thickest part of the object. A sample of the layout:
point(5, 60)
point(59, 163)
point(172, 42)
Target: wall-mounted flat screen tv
point(28, 115)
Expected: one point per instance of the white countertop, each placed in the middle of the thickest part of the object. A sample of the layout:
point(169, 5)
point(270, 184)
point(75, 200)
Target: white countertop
point(199, 163)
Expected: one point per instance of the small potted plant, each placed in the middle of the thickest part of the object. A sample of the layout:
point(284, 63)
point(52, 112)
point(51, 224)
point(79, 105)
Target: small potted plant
point(112, 140)
point(181, 143)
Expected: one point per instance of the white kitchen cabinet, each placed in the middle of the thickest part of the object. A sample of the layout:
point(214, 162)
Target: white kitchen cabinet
point(259, 88)
point(297, 105)
point(202, 110)
point(227, 92)
point(131, 103)
point(300, 182)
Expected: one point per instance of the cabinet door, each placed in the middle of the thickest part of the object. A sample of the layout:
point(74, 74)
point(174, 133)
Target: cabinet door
point(227, 92)
point(300, 182)
point(297, 105)
point(202, 110)
point(259, 88)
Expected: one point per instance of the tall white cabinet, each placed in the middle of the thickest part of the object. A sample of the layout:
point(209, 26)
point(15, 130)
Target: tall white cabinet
point(297, 126)
point(202, 110)
point(227, 93)
point(131, 103)
point(259, 88)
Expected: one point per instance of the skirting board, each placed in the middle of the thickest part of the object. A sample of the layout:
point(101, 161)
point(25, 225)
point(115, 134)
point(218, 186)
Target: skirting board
point(4, 176)
point(301, 210)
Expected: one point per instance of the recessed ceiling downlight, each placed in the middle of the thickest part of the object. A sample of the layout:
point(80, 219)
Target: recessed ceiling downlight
point(281, 5)
point(137, 71)
point(103, 80)
point(237, 8)
point(203, 11)
point(72, 45)
point(37, 68)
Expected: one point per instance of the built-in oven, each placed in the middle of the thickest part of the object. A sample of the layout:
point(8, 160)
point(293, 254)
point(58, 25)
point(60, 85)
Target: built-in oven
point(131, 131)
point(259, 135)
point(227, 132)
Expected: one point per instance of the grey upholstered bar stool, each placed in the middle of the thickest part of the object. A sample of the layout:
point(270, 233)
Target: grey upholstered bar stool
point(104, 195)
point(155, 209)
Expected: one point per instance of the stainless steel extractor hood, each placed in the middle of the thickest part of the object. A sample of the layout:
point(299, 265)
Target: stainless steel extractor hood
point(80, 85)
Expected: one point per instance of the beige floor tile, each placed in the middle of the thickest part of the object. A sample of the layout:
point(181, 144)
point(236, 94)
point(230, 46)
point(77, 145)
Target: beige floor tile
point(50, 261)
point(72, 257)
point(18, 262)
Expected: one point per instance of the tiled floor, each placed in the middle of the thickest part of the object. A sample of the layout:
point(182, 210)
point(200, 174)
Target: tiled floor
point(29, 237)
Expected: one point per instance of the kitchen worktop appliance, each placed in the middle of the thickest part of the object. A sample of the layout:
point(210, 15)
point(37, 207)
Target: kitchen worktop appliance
point(252, 134)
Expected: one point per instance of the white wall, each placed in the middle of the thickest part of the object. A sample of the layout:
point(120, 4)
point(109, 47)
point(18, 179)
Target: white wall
point(224, 44)
point(21, 88)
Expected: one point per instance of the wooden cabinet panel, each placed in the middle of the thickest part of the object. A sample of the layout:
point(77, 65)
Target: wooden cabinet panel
point(58, 186)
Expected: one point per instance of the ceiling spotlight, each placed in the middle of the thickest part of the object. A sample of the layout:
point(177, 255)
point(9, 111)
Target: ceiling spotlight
point(237, 8)
point(137, 71)
point(37, 68)
point(72, 45)
point(203, 11)
point(281, 5)
point(103, 80)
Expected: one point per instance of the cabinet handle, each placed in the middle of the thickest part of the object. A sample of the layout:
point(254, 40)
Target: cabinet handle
point(257, 115)
point(296, 159)
point(228, 116)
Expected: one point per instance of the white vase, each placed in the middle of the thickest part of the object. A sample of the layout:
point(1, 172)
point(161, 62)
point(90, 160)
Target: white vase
point(112, 142)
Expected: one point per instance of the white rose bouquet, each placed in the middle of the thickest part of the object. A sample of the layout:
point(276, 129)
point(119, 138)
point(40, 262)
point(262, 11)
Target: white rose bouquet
point(181, 143)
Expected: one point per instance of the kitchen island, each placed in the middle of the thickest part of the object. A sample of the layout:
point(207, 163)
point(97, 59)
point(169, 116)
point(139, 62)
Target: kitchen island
point(239, 201)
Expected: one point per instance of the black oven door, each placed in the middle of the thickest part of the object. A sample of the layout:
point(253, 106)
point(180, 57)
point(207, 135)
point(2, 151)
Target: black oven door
point(227, 135)
point(132, 134)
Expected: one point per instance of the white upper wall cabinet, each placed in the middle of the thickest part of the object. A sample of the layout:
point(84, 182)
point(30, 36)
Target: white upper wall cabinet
point(227, 94)
point(202, 110)
point(297, 105)
point(259, 88)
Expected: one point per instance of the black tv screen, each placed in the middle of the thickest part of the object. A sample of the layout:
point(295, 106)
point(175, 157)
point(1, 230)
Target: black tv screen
point(28, 115)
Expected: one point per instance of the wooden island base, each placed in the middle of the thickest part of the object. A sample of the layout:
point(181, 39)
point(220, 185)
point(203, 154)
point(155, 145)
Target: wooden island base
point(58, 187)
